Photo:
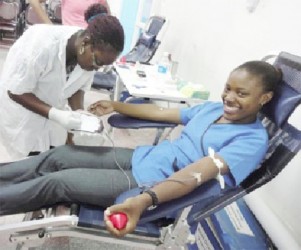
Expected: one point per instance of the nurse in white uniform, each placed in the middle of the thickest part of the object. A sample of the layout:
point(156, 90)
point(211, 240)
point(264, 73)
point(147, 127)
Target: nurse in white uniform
point(44, 78)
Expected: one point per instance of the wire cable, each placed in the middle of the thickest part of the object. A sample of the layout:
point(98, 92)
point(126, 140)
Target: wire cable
point(115, 157)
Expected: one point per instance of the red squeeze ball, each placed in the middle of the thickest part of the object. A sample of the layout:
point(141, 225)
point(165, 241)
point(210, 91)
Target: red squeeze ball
point(119, 220)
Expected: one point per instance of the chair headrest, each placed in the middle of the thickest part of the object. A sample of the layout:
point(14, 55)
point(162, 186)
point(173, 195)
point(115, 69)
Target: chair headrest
point(147, 39)
point(155, 25)
point(288, 96)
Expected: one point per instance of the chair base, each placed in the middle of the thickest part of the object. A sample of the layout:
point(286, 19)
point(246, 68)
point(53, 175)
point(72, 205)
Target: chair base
point(35, 230)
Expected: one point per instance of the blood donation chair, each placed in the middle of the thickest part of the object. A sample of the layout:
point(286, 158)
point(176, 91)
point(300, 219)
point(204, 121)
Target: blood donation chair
point(168, 225)
point(148, 41)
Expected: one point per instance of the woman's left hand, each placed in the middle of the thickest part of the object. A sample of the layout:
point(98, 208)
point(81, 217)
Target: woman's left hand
point(133, 210)
point(100, 108)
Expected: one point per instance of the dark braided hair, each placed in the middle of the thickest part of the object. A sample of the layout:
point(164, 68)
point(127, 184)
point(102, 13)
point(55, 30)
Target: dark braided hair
point(270, 76)
point(105, 30)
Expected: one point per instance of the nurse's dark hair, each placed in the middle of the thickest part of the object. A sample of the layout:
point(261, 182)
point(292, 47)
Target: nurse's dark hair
point(270, 76)
point(105, 30)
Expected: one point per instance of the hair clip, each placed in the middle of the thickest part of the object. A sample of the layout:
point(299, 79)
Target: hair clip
point(97, 15)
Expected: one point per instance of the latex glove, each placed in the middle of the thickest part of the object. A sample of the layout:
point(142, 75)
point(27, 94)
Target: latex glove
point(68, 119)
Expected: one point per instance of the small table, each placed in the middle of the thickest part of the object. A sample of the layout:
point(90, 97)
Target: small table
point(153, 85)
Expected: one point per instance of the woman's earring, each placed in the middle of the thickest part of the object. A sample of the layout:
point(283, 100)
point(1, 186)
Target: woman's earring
point(82, 49)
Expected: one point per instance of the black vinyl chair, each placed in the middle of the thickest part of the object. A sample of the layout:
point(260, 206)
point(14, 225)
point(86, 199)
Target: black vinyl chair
point(143, 51)
point(148, 41)
point(284, 144)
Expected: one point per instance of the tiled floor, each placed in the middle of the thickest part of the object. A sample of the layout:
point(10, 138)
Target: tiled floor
point(126, 138)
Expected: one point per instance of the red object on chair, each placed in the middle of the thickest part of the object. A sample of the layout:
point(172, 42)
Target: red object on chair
point(119, 220)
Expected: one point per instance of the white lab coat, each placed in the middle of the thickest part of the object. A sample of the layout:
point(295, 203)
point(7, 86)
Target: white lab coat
point(36, 64)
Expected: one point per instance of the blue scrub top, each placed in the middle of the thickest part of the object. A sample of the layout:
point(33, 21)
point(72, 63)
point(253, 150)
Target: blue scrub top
point(242, 146)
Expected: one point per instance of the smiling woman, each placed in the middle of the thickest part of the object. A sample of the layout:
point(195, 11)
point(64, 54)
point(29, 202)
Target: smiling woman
point(242, 94)
point(43, 82)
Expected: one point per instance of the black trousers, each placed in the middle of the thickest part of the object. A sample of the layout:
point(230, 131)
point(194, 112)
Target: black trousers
point(66, 174)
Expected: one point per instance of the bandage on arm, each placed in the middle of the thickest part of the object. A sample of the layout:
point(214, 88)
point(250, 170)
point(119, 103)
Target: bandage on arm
point(218, 163)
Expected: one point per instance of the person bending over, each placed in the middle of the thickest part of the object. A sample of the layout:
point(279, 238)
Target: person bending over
point(45, 75)
point(219, 139)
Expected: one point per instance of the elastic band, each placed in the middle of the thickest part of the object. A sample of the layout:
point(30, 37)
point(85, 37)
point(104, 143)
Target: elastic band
point(97, 15)
point(198, 177)
point(219, 165)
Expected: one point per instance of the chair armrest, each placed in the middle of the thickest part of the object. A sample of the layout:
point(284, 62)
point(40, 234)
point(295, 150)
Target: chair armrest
point(122, 121)
point(204, 194)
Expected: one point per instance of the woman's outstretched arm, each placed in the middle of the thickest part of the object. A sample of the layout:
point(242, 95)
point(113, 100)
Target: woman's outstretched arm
point(179, 184)
point(142, 111)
